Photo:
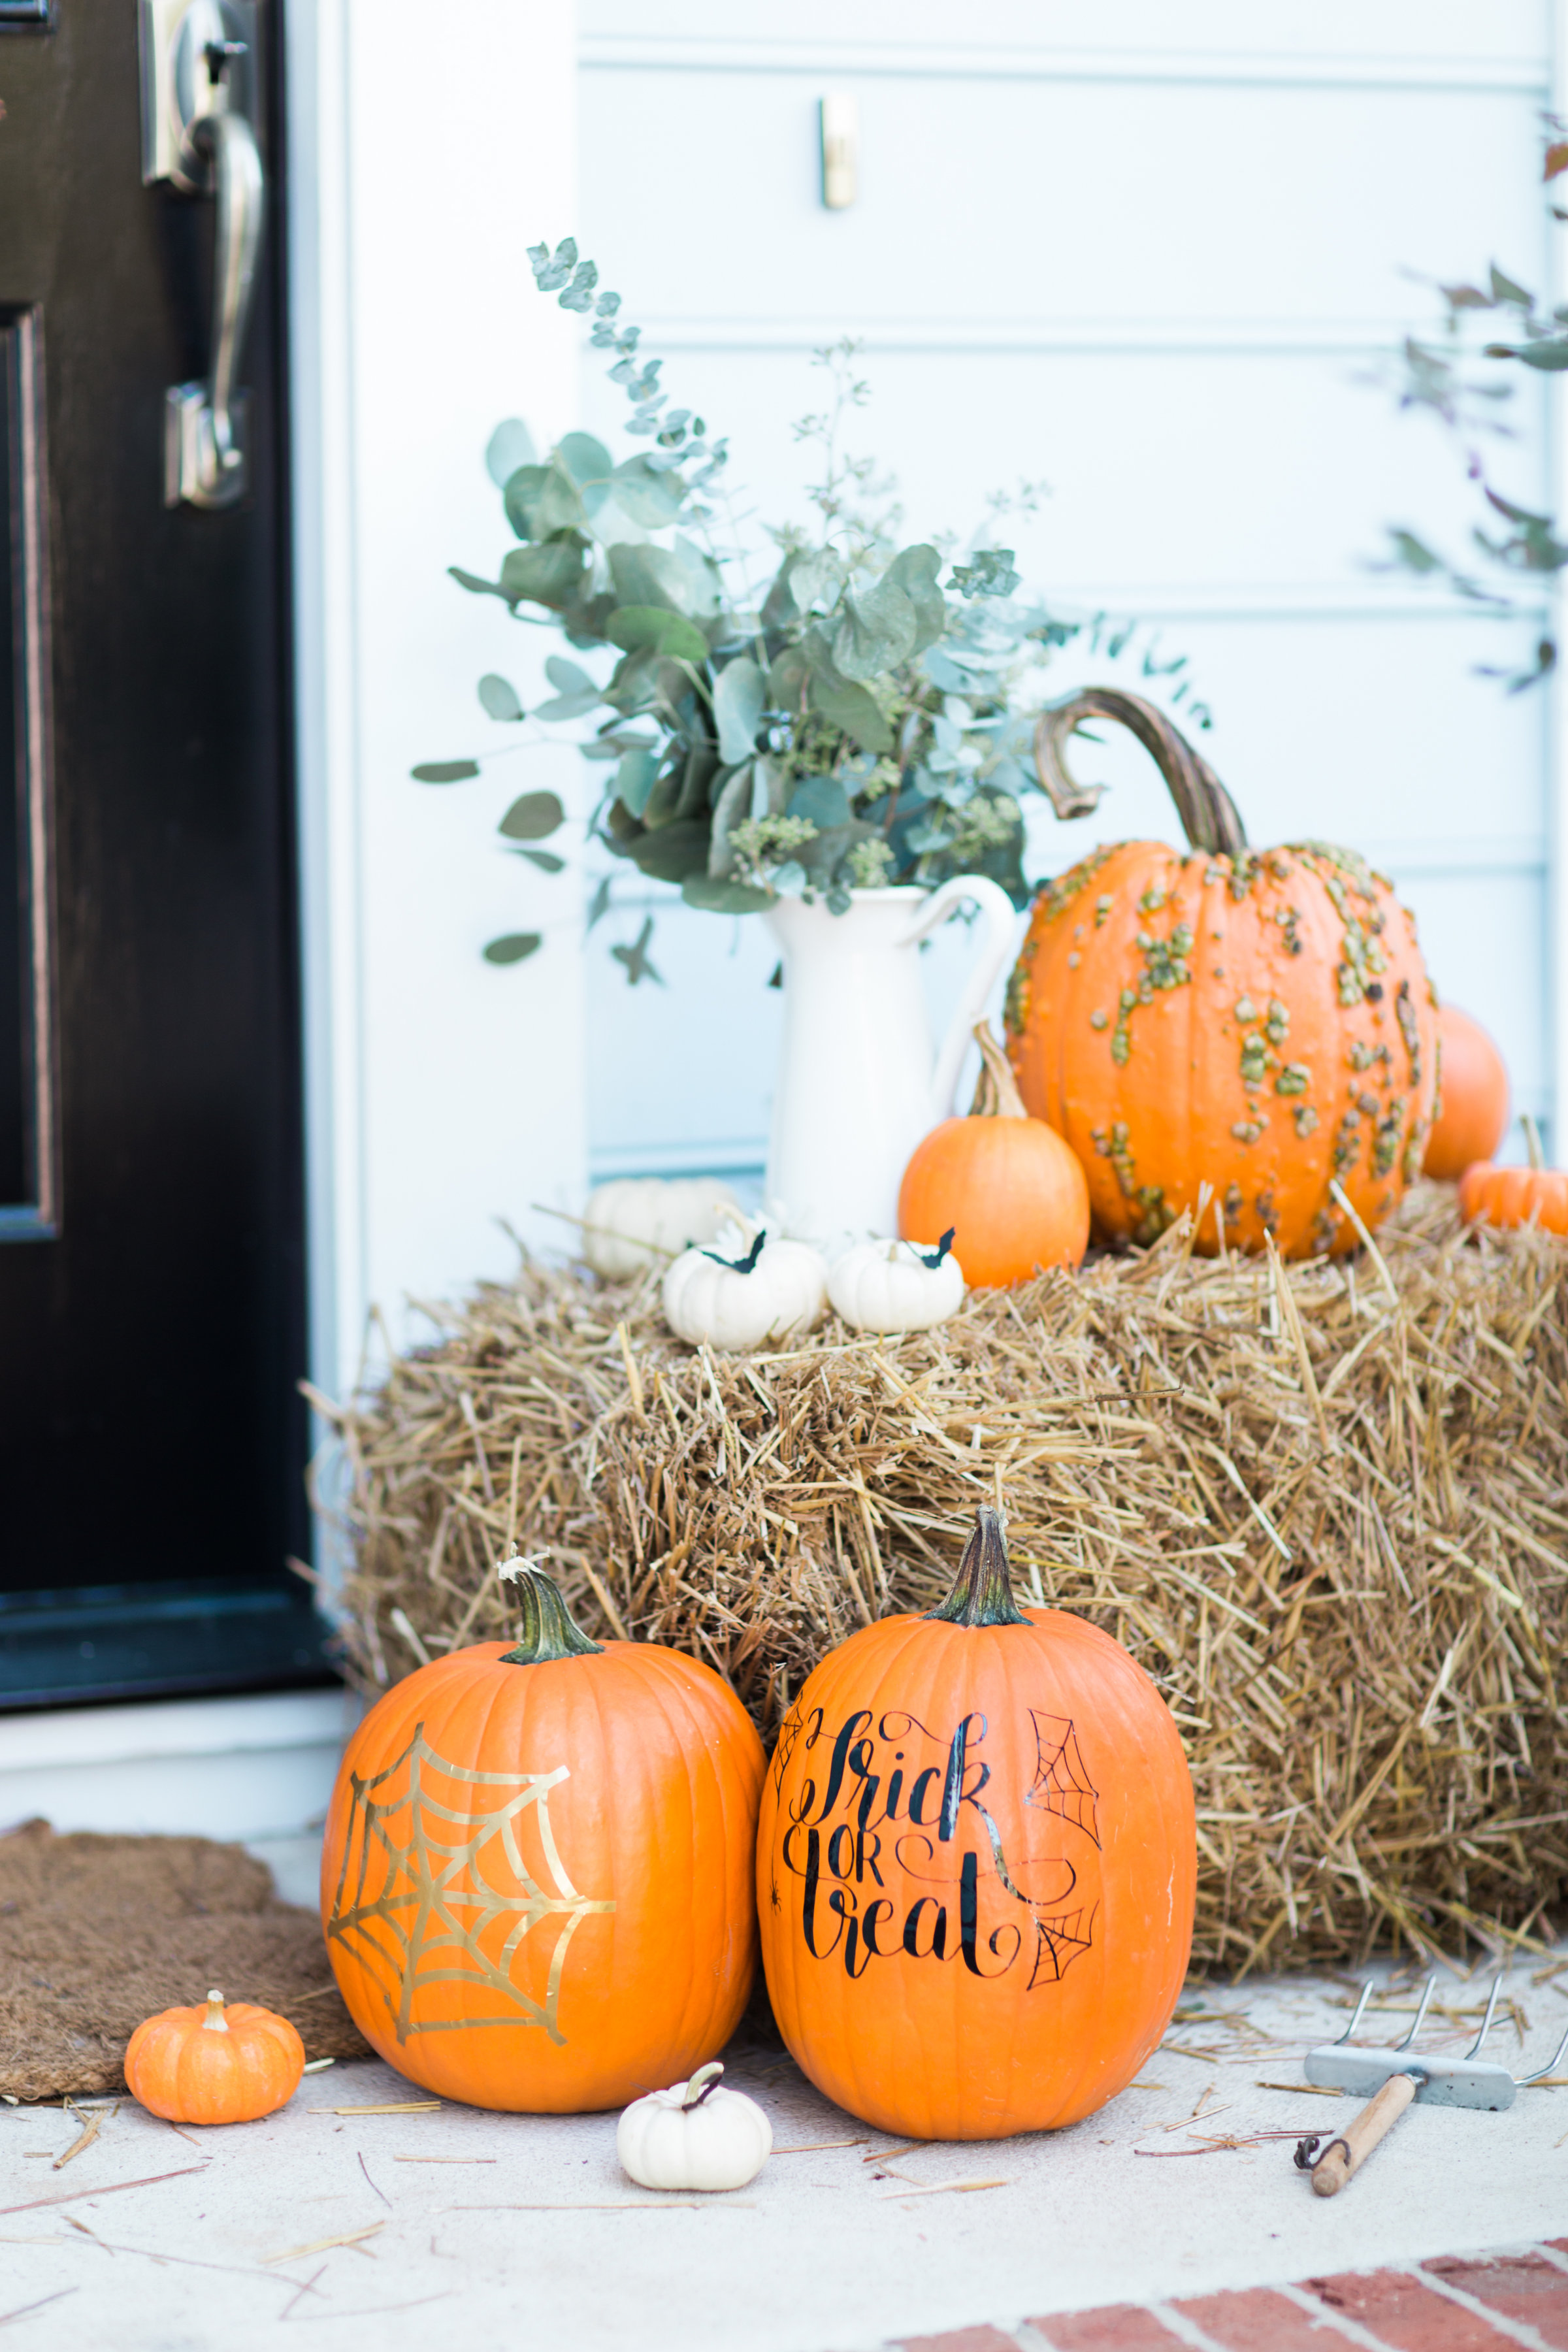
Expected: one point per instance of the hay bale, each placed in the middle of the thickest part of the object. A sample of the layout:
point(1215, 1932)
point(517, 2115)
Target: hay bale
point(1325, 1506)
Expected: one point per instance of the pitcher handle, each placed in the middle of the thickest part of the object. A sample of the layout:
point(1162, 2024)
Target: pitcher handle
point(999, 926)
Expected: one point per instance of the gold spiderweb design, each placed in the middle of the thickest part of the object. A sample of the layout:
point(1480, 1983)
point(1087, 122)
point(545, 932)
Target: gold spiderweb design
point(415, 1901)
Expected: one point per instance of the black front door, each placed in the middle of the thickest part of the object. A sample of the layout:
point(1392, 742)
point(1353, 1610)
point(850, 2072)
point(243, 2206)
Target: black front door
point(151, 1277)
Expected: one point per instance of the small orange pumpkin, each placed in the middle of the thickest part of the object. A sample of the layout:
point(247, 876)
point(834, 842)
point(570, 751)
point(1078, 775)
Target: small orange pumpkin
point(214, 2064)
point(1007, 1185)
point(1472, 1098)
point(536, 1876)
point(1491, 1195)
point(1258, 1021)
point(976, 1865)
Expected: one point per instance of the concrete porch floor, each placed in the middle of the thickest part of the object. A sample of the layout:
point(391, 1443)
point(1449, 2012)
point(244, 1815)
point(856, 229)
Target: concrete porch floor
point(398, 2229)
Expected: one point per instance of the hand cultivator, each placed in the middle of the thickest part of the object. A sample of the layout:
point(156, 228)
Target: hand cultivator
point(1394, 2080)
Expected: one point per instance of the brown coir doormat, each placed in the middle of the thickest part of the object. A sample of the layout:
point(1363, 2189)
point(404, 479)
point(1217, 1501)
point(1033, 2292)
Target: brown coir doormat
point(96, 1933)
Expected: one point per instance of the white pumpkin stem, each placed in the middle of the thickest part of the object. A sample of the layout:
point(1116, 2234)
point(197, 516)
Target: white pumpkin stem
point(1533, 1153)
point(705, 2079)
point(215, 2021)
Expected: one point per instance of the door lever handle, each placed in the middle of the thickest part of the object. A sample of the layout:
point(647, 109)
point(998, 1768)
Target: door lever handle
point(200, 96)
point(206, 431)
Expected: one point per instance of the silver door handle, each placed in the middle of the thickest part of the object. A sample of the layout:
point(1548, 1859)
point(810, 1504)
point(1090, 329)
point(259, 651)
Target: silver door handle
point(200, 96)
point(219, 455)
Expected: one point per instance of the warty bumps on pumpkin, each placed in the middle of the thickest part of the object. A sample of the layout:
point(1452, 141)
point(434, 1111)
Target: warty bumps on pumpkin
point(976, 1865)
point(1258, 1021)
point(536, 1876)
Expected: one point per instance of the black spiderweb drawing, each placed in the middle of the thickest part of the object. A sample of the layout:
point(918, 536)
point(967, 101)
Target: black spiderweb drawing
point(415, 1901)
point(1061, 1780)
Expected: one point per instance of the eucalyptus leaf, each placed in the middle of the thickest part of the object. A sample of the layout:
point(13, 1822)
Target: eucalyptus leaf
point(649, 496)
point(638, 628)
point(673, 853)
point(523, 489)
point(822, 801)
point(816, 581)
point(509, 446)
point(717, 896)
point(740, 698)
point(474, 586)
point(732, 807)
point(545, 859)
point(566, 677)
point(704, 589)
point(499, 699)
point(445, 772)
point(651, 575)
point(634, 780)
point(514, 947)
point(853, 710)
point(585, 459)
point(533, 818)
point(548, 575)
point(557, 505)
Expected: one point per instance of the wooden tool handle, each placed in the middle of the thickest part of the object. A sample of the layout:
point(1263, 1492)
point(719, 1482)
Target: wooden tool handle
point(1346, 2154)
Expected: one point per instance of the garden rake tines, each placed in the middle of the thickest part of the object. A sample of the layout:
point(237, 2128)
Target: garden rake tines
point(1396, 2079)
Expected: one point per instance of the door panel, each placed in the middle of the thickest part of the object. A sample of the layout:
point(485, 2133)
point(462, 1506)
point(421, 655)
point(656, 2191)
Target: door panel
point(150, 1325)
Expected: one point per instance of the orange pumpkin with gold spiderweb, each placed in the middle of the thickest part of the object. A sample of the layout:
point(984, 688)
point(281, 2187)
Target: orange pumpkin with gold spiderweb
point(1253, 1030)
point(536, 1875)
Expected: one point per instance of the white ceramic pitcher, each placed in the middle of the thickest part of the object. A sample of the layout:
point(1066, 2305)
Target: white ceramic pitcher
point(859, 1084)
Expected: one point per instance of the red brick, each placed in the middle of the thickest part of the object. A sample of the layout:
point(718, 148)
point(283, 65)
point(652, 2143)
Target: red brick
point(1405, 2314)
point(962, 2339)
point(1261, 2321)
point(1115, 2328)
point(1522, 2286)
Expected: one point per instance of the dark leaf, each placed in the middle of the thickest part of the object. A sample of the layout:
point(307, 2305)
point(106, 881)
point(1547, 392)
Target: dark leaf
point(545, 859)
point(634, 958)
point(445, 772)
point(474, 584)
point(718, 896)
point(854, 709)
point(650, 575)
point(533, 818)
point(822, 801)
point(514, 947)
point(523, 489)
point(548, 575)
point(672, 853)
point(638, 628)
point(599, 905)
point(1556, 160)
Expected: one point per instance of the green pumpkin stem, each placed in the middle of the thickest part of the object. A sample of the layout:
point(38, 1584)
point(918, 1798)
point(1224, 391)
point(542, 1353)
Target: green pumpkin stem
point(548, 1631)
point(983, 1592)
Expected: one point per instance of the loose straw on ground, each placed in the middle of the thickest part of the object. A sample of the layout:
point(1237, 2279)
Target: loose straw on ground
point(1327, 1512)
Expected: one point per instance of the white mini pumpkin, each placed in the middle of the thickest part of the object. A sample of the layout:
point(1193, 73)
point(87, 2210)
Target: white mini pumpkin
point(640, 1220)
point(694, 2135)
point(897, 1286)
point(737, 1301)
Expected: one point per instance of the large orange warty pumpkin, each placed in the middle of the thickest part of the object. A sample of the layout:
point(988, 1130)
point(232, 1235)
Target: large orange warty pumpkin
point(976, 1865)
point(1259, 1021)
point(536, 1881)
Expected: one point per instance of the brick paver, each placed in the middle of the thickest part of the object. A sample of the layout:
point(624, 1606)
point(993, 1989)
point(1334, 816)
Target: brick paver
point(1115, 2328)
point(964, 2339)
point(1404, 2314)
point(1522, 2286)
point(1258, 2320)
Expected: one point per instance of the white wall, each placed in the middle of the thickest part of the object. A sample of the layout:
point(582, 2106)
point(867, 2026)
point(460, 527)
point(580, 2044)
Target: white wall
point(443, 1094)
point(1146, 253)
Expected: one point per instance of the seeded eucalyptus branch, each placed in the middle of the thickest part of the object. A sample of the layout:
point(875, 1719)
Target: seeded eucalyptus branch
point(862, 723)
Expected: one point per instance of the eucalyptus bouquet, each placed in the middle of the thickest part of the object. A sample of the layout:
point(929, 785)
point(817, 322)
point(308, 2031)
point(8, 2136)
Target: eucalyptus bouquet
point(866, 719)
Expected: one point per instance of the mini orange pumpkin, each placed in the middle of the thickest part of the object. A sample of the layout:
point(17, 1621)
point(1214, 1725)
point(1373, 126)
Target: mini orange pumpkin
point(212, 2065)
point(976, 1865)
point(1008, 1187)
point(1491, 1195)
point(1256, 1020)
point(536, 1877)
point(1472, 1098)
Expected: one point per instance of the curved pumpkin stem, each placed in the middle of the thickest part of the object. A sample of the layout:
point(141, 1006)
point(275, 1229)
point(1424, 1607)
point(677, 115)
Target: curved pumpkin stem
point(1209, 817)
point(705, 2079)
point(1533, 1152)
point(996, 1094)
point(983, 1590)
point(549, 1631)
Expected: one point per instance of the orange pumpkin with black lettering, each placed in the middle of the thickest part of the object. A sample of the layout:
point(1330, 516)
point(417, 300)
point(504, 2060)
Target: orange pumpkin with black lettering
point(1243, 1030)
point(976, 1865)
